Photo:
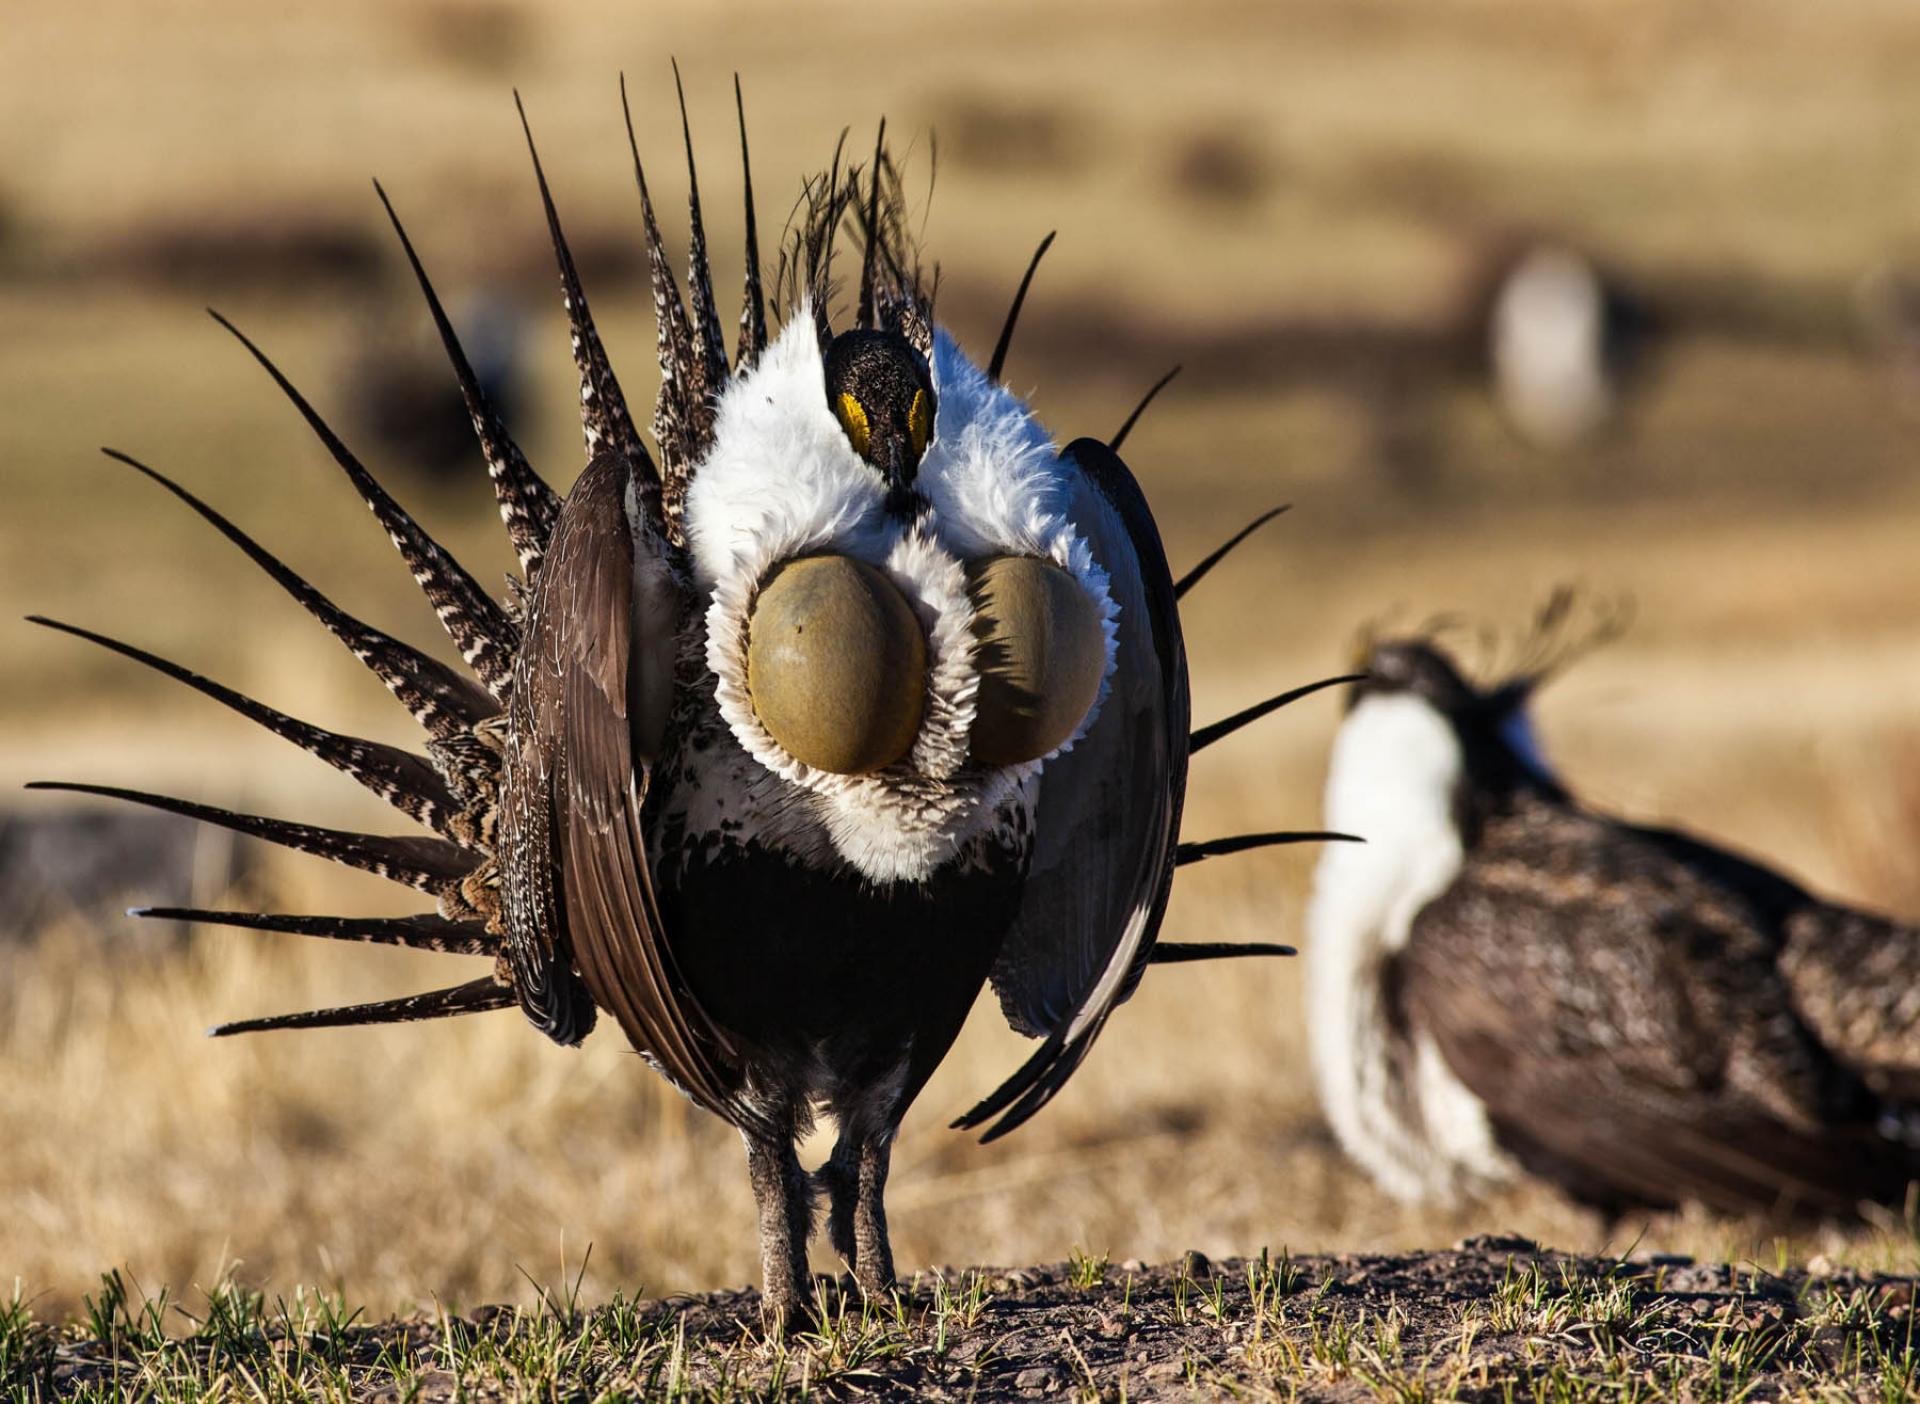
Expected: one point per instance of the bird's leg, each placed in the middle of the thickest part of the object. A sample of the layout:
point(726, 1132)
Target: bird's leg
point(856, 1178)
point(786, 1223)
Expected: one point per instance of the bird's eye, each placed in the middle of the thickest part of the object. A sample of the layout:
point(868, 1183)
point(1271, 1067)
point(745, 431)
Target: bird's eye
point(853, 418)
point(920, 423)
point(836, 664)
point(1041, 654)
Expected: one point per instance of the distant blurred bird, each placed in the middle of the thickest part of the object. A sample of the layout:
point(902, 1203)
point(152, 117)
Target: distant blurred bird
point(1887, 305)
point(1564, 341)
point(854, 695)
point(400, 397)
point(1502, 980)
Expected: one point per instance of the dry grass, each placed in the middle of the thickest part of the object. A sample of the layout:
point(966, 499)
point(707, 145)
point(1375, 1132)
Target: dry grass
point(1761, 514)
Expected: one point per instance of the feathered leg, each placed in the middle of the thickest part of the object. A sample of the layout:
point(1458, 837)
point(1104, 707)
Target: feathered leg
point(781, 1189)
point(855, 1179)
point(856, 1182)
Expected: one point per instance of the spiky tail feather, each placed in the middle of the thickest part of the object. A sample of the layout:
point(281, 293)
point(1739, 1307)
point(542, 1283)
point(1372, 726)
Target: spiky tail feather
point(1214, 557)
point(455, 791)
point(479, 628)
point(444, 703)
point(753, 304)
point(1205, 736)
point(426, 932)
point(998, 363)
point(527, 505)
point(474, 997)
point(1240, 843)
point(430, 864)
point(407, 782)
point(1180, 952)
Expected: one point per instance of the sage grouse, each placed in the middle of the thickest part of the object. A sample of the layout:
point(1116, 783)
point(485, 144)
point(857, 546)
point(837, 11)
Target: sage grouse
point(1503, 980)
point(853, 695)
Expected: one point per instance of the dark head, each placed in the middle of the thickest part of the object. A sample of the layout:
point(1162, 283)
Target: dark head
point(880, 390)
point(1496, 742)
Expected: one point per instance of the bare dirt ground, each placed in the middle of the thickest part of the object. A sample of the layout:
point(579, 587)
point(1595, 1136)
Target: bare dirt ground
point(1494, 1319)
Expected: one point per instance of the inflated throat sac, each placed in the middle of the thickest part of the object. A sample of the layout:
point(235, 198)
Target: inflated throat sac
point(837, 662)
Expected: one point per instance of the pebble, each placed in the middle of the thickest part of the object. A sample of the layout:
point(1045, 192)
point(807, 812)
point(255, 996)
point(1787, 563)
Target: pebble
point(1035, 1379)
point(1496, 1243)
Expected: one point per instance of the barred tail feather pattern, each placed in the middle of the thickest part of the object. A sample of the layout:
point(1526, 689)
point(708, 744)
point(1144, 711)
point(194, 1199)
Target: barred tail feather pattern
point(527, 505)
point(407, 782)
point(474, 997)
point(443, 702)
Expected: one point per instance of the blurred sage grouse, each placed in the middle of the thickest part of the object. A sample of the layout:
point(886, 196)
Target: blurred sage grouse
point(1502, 980)
point(853, 694)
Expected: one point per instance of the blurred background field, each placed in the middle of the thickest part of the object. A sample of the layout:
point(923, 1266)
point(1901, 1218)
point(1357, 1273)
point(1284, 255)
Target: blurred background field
point(1296, 201)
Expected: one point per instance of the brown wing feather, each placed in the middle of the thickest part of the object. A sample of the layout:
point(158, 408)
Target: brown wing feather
point(1094, 897)
point(582, 914)
point(1856, 980)
point(1625, 1025)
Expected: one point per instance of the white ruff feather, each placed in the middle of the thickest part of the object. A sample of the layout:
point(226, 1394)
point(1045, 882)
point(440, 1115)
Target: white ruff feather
point(1398, 1110)
point(782, 481)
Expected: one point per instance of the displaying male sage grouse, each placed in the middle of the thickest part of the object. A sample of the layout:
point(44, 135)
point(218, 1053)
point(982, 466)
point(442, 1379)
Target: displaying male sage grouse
point(1501, 979)
point(857, 695)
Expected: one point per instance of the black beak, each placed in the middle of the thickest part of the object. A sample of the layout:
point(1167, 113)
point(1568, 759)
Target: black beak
point(892, 454)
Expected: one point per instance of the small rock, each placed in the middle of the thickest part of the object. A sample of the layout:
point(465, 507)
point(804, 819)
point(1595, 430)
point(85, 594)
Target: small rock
point(1035, 1379)
point(1496, 1243)
point(1196, 1265)
point(1133, 1265)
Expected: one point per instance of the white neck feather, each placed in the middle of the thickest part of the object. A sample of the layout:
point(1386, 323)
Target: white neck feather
point(1395, 766)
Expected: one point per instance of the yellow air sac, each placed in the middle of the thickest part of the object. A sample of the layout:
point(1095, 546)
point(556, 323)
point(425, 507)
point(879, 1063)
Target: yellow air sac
point(836, 664)
point(1041, 654)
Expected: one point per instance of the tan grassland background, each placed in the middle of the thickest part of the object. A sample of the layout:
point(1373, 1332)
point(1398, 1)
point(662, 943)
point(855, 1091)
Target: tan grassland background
point(1230, 182)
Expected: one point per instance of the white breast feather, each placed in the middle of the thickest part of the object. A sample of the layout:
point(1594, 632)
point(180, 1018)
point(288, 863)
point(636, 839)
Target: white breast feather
point(1395, 765)
point(782, 481)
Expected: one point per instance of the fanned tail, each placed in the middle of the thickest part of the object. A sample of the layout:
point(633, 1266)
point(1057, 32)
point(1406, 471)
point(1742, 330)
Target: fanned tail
point(406, 781)
point(453, 790)
point(427, 932)
point(527, 505)
point(474, 997)
point(479, 628)
point(445, 704)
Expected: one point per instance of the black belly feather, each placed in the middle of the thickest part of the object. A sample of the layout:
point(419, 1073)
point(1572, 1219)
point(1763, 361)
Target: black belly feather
point(821, 974)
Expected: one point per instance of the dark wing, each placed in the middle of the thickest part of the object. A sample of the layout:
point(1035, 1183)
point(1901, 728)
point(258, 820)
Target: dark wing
point(1108, 815)
point(1626, 1026)
point(1856, 981)
point(589, 703)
